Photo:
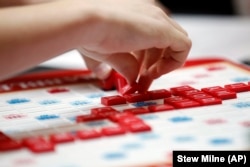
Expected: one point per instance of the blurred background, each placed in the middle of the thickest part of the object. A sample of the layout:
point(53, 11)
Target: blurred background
point(210, 7)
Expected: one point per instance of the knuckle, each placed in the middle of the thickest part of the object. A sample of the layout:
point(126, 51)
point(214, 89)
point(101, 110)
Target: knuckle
point(188, 43)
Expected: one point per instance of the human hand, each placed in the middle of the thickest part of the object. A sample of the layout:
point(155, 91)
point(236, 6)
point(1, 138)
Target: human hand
point(137, 39)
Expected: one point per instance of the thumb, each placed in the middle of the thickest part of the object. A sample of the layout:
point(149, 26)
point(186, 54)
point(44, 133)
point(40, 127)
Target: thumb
point(125, 64)
point(101, 70)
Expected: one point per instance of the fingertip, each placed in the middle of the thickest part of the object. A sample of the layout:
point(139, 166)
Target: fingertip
point(144, 82)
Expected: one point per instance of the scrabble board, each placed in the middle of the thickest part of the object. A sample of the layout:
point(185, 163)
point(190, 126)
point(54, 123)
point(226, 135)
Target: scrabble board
point(64, 119)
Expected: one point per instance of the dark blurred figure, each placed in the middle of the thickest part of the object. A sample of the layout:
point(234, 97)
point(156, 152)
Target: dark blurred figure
point(214, 7)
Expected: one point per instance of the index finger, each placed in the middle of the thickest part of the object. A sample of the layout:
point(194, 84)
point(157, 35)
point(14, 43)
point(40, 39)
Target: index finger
point(174, 56)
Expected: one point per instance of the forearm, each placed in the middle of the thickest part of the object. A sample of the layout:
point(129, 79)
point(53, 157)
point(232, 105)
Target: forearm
point(36, 33)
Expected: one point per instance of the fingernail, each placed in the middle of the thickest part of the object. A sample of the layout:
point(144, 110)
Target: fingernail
point(102, 71)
